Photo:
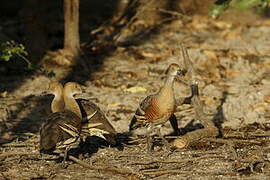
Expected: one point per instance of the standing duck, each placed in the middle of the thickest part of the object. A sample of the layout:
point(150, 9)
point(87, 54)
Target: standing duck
point(155, 110)
point(91, 113)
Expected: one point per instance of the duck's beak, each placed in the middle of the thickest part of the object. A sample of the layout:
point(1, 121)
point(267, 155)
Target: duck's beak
point(181, 72)
point(44, 93)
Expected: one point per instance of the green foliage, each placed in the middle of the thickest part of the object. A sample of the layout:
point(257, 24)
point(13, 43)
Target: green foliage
point(246, 4)
point(221, 5)
point(10, 49)
point(218, 8)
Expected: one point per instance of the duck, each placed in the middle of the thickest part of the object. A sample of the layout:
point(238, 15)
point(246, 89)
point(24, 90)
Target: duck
point(92, 114)
point(156, 109)
point(56, 89)
point(62, 127)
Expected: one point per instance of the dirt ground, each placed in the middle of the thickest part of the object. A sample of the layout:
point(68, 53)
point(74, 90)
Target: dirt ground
point(231, 57)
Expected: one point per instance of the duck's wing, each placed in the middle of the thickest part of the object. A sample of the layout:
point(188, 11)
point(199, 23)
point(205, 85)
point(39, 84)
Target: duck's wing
point(92, 114)
point(59, 127)
point(139, 118)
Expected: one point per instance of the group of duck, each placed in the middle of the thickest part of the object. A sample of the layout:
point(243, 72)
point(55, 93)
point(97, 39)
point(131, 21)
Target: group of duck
point(72, 119)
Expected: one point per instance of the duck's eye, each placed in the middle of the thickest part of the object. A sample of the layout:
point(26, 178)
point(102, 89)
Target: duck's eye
point(78, 87)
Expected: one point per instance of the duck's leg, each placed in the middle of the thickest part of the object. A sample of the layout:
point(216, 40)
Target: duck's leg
point(71, 143)
point(174, 124)
point(165, 142)
point(149, 139)
point(149, 143)
point(64, 165)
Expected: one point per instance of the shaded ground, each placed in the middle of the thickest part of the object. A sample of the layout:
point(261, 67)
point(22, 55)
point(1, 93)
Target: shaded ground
point(232, 61)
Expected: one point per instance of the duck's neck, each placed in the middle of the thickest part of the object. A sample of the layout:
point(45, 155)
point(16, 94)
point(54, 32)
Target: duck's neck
point(166, 92)
point(58, 103)
point(71, 104)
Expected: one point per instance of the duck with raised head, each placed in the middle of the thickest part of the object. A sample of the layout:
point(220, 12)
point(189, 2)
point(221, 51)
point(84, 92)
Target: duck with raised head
point(91, 114)
point(56, 89)
point(155, 110)
point(62, 126)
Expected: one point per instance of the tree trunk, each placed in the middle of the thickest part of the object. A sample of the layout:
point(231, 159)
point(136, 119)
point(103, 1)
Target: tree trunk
point(120, 9)
point(71, 16)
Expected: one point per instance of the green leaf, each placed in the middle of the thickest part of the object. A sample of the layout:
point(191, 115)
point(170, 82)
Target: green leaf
point(5, 57)
point(10, 49)
point(246, 4)
point(30, 66)
point(218, 8)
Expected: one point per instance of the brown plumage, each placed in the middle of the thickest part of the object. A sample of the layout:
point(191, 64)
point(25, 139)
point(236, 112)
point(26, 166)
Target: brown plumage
point(91, 113)
point(88, 108)
point(157, 109)
point(52, 131)
point(63, 127)
point(55, 88)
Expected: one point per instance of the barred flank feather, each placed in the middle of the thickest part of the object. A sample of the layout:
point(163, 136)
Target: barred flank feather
point(93, 114)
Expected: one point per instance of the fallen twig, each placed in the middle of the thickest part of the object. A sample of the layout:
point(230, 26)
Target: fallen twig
point(193, 137)
point(18, 145)
point(169, 171)
point(209, 130)
point(248, 135)
point(159, 172)
point(104, 168)
point(137, 140)
point(174, 13)
point(6, 154)
point(123, 171)
point(180, 160)
point(235, 141)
